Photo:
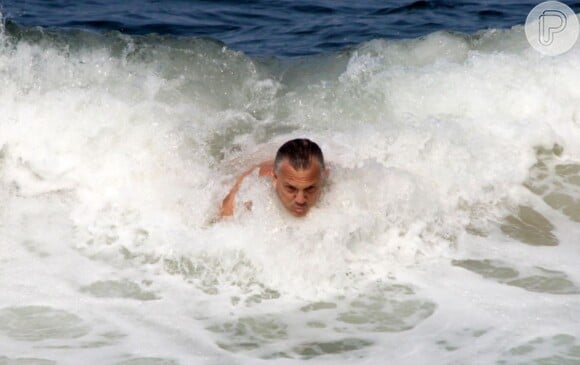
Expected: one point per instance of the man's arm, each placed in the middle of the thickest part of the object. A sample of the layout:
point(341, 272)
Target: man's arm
point(227, 208)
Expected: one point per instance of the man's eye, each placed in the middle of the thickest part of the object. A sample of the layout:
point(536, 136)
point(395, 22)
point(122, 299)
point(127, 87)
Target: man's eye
point(311, 189)
point(291, 188)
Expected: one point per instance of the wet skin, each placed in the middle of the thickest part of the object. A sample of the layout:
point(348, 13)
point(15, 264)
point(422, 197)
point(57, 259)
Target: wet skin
point(298, 190)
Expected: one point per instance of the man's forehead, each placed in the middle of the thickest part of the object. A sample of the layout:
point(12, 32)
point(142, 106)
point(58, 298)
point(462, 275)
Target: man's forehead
point(312, 172)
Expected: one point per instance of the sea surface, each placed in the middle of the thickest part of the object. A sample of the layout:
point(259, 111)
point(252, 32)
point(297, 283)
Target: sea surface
point(448, 231)
point(282, 28)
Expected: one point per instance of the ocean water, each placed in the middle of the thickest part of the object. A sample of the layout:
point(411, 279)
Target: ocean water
point(284, 28)
point(448, 232)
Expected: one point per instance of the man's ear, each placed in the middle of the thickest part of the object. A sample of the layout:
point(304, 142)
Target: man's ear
point(274, 178)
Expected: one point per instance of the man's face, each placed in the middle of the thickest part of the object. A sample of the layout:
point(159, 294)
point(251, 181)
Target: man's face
point(298, 190)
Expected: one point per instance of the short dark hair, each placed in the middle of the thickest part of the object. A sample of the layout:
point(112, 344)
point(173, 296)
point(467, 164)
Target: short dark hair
point(299, 152)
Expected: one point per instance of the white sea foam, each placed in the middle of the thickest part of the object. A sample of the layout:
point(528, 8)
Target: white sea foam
point(116, 152)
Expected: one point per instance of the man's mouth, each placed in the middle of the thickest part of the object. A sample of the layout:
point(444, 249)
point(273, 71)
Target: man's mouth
point(300, 208)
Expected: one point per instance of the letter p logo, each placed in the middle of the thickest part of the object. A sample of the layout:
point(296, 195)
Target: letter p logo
point(552, 28)
point(550, 23)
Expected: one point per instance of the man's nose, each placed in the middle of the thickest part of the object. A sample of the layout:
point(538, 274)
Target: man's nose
point(300, 197)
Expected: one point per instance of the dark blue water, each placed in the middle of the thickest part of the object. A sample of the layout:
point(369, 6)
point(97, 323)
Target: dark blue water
point(280, 28)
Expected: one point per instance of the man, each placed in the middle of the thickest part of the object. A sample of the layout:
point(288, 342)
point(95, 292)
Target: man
point(298, 173)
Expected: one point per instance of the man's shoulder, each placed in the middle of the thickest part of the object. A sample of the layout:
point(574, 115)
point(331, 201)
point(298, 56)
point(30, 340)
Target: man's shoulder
point(266, 168)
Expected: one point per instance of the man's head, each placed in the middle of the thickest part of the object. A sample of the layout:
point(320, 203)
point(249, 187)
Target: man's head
point(298, 175)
